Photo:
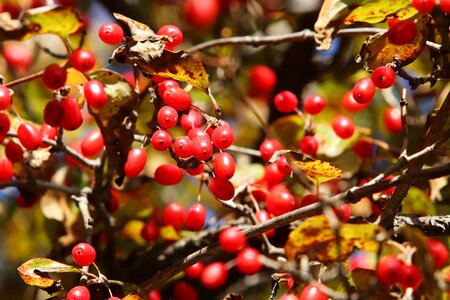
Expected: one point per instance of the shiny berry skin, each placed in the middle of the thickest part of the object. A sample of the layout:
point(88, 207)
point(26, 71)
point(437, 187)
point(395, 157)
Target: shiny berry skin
point(309, 145)
point(402, 32)
point(92, 144)
point(222, 189)
point(343, 212)
point(5, 124)
point(194, 271)
point(72, 118)
point(150, 232)
point(177, 98)
point(445, 6)
point(423, 6)
point(165, 84)
point(173, 215)
point(383, 77)
point(82, 59)
point(312, 292)
point(196, 171)
point(154, 294)
point(5, 97)
point(214, 275)
point(168, 174)
point(48, 132)
point(198, 132)
point(13, 152)
point(174, 33)
point(224, 166)
point(111, 34)
point(279, 202)
point(54, 76)
point(268, 148)
point(363, 91)
point(222, 137)
point(195, 217)
point(309, 199)
point(201, 148)
point(272, 175)
point(263, 216)
point(283, 165)
point(83, 254)
point(167, 117)
point(285, 101)
point(410, 276)
point(200, 14)
point(78, 293)
point(388, 269)
point(29, 136)
point(438, 252)
point(343, 126)
point(262, 80)
point(53, 113)
point(161, 140)
point(7, 170)
point(18, 57)
point(314, 105)
point(136, 159)
point(193, 119)
point(363, 149)
point(393, 119)
point(349, 103)
point(232, 239)
point(184, 291)
point(95, 94)
point(247, 261)
point(288, 297)
point(182, 147)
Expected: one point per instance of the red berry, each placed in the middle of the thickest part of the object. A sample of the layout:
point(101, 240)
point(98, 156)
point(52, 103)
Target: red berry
point(272, 175)
point(174, 33)
point(67, 2)
point(29, 136)
point(410, 276)
point(48, 132)
point(95, 94)
point(309, 199)
point(288, 297)
point(201, 148)
point(268, 148)
point(5, 124)
point(195, 217)
point(445, 6)
point(313, 292)
point(167, 117)
point(388, 270)
point(262, 80)
point(224, 166)
point(343, 126)
point(72, 118)
point(161, 140)
point(309, 145)
point(5, 97)
point(393, 119)
point(402, 32)
point(222, 189)
point(184, 291)
point(111, 34)
point(247, 261)
point(214, 275)
point(283, 165)
point(135, 163)
point(201, 14)
point(314, 105)
point(173, 215)
point(150, 232)
point(92, 144)
point(349, 103)
point(438, 252)
point(363, 91)
point(78, 293)
point(198, 132)
point(154, 295)
point(222, 137)
point(113, 298)
point(343, 212)
point(182, 147)
point(363, 149)
point(7, 170)
point(191, 120)
point(196, 171)
point(13, 152)
point(82, 59)
point(279, 201)
point(232, 239)
point(18, 57)
point(194, 271)
point(83, 254)
point(263, 216)
point(53, 113)
point(54, 76)
point(177, 98)
point(424, 6)
point(168, 174)
point(285, 101)
point(383, 77)
point(165, 84)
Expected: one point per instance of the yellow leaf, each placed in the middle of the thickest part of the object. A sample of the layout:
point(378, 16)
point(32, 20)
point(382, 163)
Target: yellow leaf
point(316, 237)
point(132, 297)
point(169, 233)
point(377, 11)
point(319, 171)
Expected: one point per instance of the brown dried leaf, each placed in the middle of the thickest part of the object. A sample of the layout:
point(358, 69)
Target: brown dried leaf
point(138, 30)
point(11, 29)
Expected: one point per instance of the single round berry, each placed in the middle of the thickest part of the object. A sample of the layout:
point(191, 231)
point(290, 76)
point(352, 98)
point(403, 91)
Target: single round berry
point(272, 174)
point(201, 14)
point(224, 166)
point(184, 291)
point(83, 254)
point(136, 159)
point(309, 199)
point(196, 171)
point(309, 145)
point(314, 105)
point(174, 33)
point(167, 117)
point(402, 32)
point(388, 270)
point(198, 133)
point(177, 98)
point(222, 189)
point(29, 136)
point(363, 91)
point(5, 124)
point(18, 57)
point(54, 76)
point(155, 294)
point(92, 144)
point(222, 137)
point(343, 212)
point(343, 126)
point(48, 132)
point(283, 165)
point(7, 170)
point(349, 103)
point(161, 140)
point(423, 6)
point(13, 152)
point(150, 232)
point(53, 113)
point(383, 77)
point(82, 59)
point(263, 216)
point(232, 239)
point(262, 81)
point(78, 293)
point(173, 215)
point(195, 217)
point(313, 292)
point(247, 261)
point(279, 201)
point(214, 275)
point(95, 94)
point(438, 252)
point(72, 118)
point(195, 271)
point(191, 120)
point(168, 174)
point(285, 101)
point(288, 296)
point(182, 147)
point(201, 148)
point(363, 149)
point(5, 97)
point(393, 119)
point(165, 84)
point(111, 34)
point(445, 6)
point(268, 148)
point(410, 276)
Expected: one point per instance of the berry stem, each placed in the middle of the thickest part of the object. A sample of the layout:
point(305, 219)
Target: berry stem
point(24, 79)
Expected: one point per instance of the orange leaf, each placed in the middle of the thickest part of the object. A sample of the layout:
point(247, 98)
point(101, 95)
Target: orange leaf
point(319, 171)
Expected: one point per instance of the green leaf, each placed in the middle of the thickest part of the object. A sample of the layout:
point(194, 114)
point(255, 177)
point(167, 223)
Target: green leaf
point(330, 144)
point(417, 203)
point(117, 119)
point(289, 130)
point(36, 271)
point(378, 10)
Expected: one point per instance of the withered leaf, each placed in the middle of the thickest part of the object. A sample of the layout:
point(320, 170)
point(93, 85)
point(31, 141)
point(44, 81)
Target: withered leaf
point(11, 29)
point(139, 31)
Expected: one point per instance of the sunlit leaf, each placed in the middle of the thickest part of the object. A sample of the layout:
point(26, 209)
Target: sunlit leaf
point(169, 233)
point(319, 171)
point(377, 11)
point(132, 297)
point(289, 130)
point(378, 51)
point(316, 237)
point(417, 203)
point(330, 144)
